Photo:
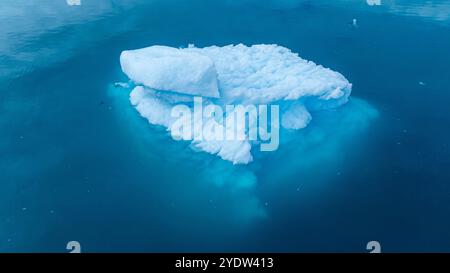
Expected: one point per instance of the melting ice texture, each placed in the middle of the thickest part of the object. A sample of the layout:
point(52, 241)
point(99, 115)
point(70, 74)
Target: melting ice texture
point(234, 74)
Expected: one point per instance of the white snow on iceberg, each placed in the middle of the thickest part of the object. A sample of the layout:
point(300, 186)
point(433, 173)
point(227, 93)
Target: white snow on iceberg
point(234, 74)
point(170, 69)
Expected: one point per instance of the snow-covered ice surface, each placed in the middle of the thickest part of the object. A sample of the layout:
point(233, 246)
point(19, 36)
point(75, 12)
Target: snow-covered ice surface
point(171, 69)
point(234, 74)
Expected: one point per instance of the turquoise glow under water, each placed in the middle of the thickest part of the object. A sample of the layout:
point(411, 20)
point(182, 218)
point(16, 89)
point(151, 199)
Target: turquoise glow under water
point(77, 162)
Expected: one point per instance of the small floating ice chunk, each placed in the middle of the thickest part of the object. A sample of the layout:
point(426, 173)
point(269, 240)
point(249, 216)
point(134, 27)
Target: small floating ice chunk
point(121, 85)
point(171, 69)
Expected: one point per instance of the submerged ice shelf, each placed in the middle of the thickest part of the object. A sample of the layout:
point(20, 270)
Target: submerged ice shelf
point(231, 75)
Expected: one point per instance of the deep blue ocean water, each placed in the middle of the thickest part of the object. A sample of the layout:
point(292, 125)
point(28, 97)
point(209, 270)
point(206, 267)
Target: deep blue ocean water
point(77, 162)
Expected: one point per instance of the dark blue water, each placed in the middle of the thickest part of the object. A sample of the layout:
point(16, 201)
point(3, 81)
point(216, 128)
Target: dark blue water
point(77, 162)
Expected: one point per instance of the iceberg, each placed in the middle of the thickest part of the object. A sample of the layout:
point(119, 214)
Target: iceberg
point(171, 69)
point(164, 77)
